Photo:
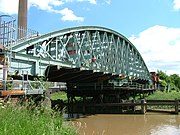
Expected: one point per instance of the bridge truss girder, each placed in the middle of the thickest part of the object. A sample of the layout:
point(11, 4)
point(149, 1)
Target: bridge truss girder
point(89, 48)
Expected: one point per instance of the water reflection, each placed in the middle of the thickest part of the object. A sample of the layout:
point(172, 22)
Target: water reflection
point(166, 130)
point(129, 125)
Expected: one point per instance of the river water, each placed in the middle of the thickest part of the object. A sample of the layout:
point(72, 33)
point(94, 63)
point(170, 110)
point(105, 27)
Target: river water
point(149, 124)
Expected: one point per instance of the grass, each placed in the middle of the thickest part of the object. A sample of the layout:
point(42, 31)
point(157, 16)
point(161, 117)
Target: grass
point(62, 96)
point(159, 95)
point(23, 120)
point(59, 95)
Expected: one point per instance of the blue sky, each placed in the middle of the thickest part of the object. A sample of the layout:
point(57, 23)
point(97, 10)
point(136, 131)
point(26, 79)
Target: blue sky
point(153, 26)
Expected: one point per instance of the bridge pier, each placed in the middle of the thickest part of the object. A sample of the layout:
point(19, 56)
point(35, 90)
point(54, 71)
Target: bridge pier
point(70, 104)
point(176, 106)
point(143, 108)
point(84, 104)
point(96, 94)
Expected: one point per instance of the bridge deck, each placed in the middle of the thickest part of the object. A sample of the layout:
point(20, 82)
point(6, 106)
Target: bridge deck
point(77, 75)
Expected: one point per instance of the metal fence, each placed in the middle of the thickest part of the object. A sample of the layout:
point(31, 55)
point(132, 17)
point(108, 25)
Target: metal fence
point(29, 87)
point(10, 33)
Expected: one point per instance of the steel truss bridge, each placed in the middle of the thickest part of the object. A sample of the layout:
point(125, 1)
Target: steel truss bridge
point(93, 61)
point(96, 64)
point(80, 54)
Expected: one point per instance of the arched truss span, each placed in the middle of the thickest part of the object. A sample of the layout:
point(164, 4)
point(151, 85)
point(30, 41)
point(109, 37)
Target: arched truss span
point(89, 48)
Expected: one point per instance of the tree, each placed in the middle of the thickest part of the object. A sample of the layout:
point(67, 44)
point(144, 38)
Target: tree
point(164, 76)
point(173, 80)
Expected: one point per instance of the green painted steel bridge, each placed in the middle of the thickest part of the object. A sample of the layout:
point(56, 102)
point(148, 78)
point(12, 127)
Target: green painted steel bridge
point(79, 54)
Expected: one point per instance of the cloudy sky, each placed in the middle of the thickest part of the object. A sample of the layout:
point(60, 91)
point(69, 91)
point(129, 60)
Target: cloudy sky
point(153, 26)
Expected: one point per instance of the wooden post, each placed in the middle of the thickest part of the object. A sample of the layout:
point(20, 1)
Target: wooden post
point(143, 94)
point(118, 98)
point(68, 105)
point(133, 107)
point(176, 106)
point(134, 95)
point(143, 110)
point(102, 98)
point(84, 102)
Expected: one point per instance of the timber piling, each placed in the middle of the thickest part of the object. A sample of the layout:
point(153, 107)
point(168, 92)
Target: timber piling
point(128, 106)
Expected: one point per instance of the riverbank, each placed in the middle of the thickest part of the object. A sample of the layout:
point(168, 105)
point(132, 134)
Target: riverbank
point(162, 95)
point(31, 120)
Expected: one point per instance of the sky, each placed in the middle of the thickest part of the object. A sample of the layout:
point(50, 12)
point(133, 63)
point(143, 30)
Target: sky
point(153, 26)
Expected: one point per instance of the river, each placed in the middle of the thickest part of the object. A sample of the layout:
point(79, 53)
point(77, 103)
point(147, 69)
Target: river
point(108, 124)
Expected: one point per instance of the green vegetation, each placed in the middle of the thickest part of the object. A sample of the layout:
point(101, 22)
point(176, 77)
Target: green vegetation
point(164, 95)
point(59, 95)
point(171, 86)
point(171, 82)
point(160, 95)
point(28, 120)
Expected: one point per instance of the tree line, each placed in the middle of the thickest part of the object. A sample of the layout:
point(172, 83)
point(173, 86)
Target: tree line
point(169, 82)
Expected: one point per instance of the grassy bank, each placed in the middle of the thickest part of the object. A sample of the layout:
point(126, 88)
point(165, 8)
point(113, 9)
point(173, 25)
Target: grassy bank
point(18, 120)
point(160, 95)
point(62, 96)
point(59, 95)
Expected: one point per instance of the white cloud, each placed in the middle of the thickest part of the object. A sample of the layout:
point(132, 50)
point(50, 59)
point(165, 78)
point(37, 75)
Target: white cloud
point(90, 1)
point(176, 4)
point(108, 1)
point(160, 48)
point(46, 5)
point(68, 15)
point(9, 6)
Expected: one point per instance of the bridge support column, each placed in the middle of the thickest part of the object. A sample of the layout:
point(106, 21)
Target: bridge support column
point(133, 107)
point(143, 108)
point(118, 97)
point(36, 67)
point(84, 104)
point(134, 95)
point(177, 107)
point(101, 98)
point(70, 104)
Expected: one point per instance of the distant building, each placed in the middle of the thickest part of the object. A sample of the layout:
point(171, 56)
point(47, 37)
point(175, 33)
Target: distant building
point(155, 80)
